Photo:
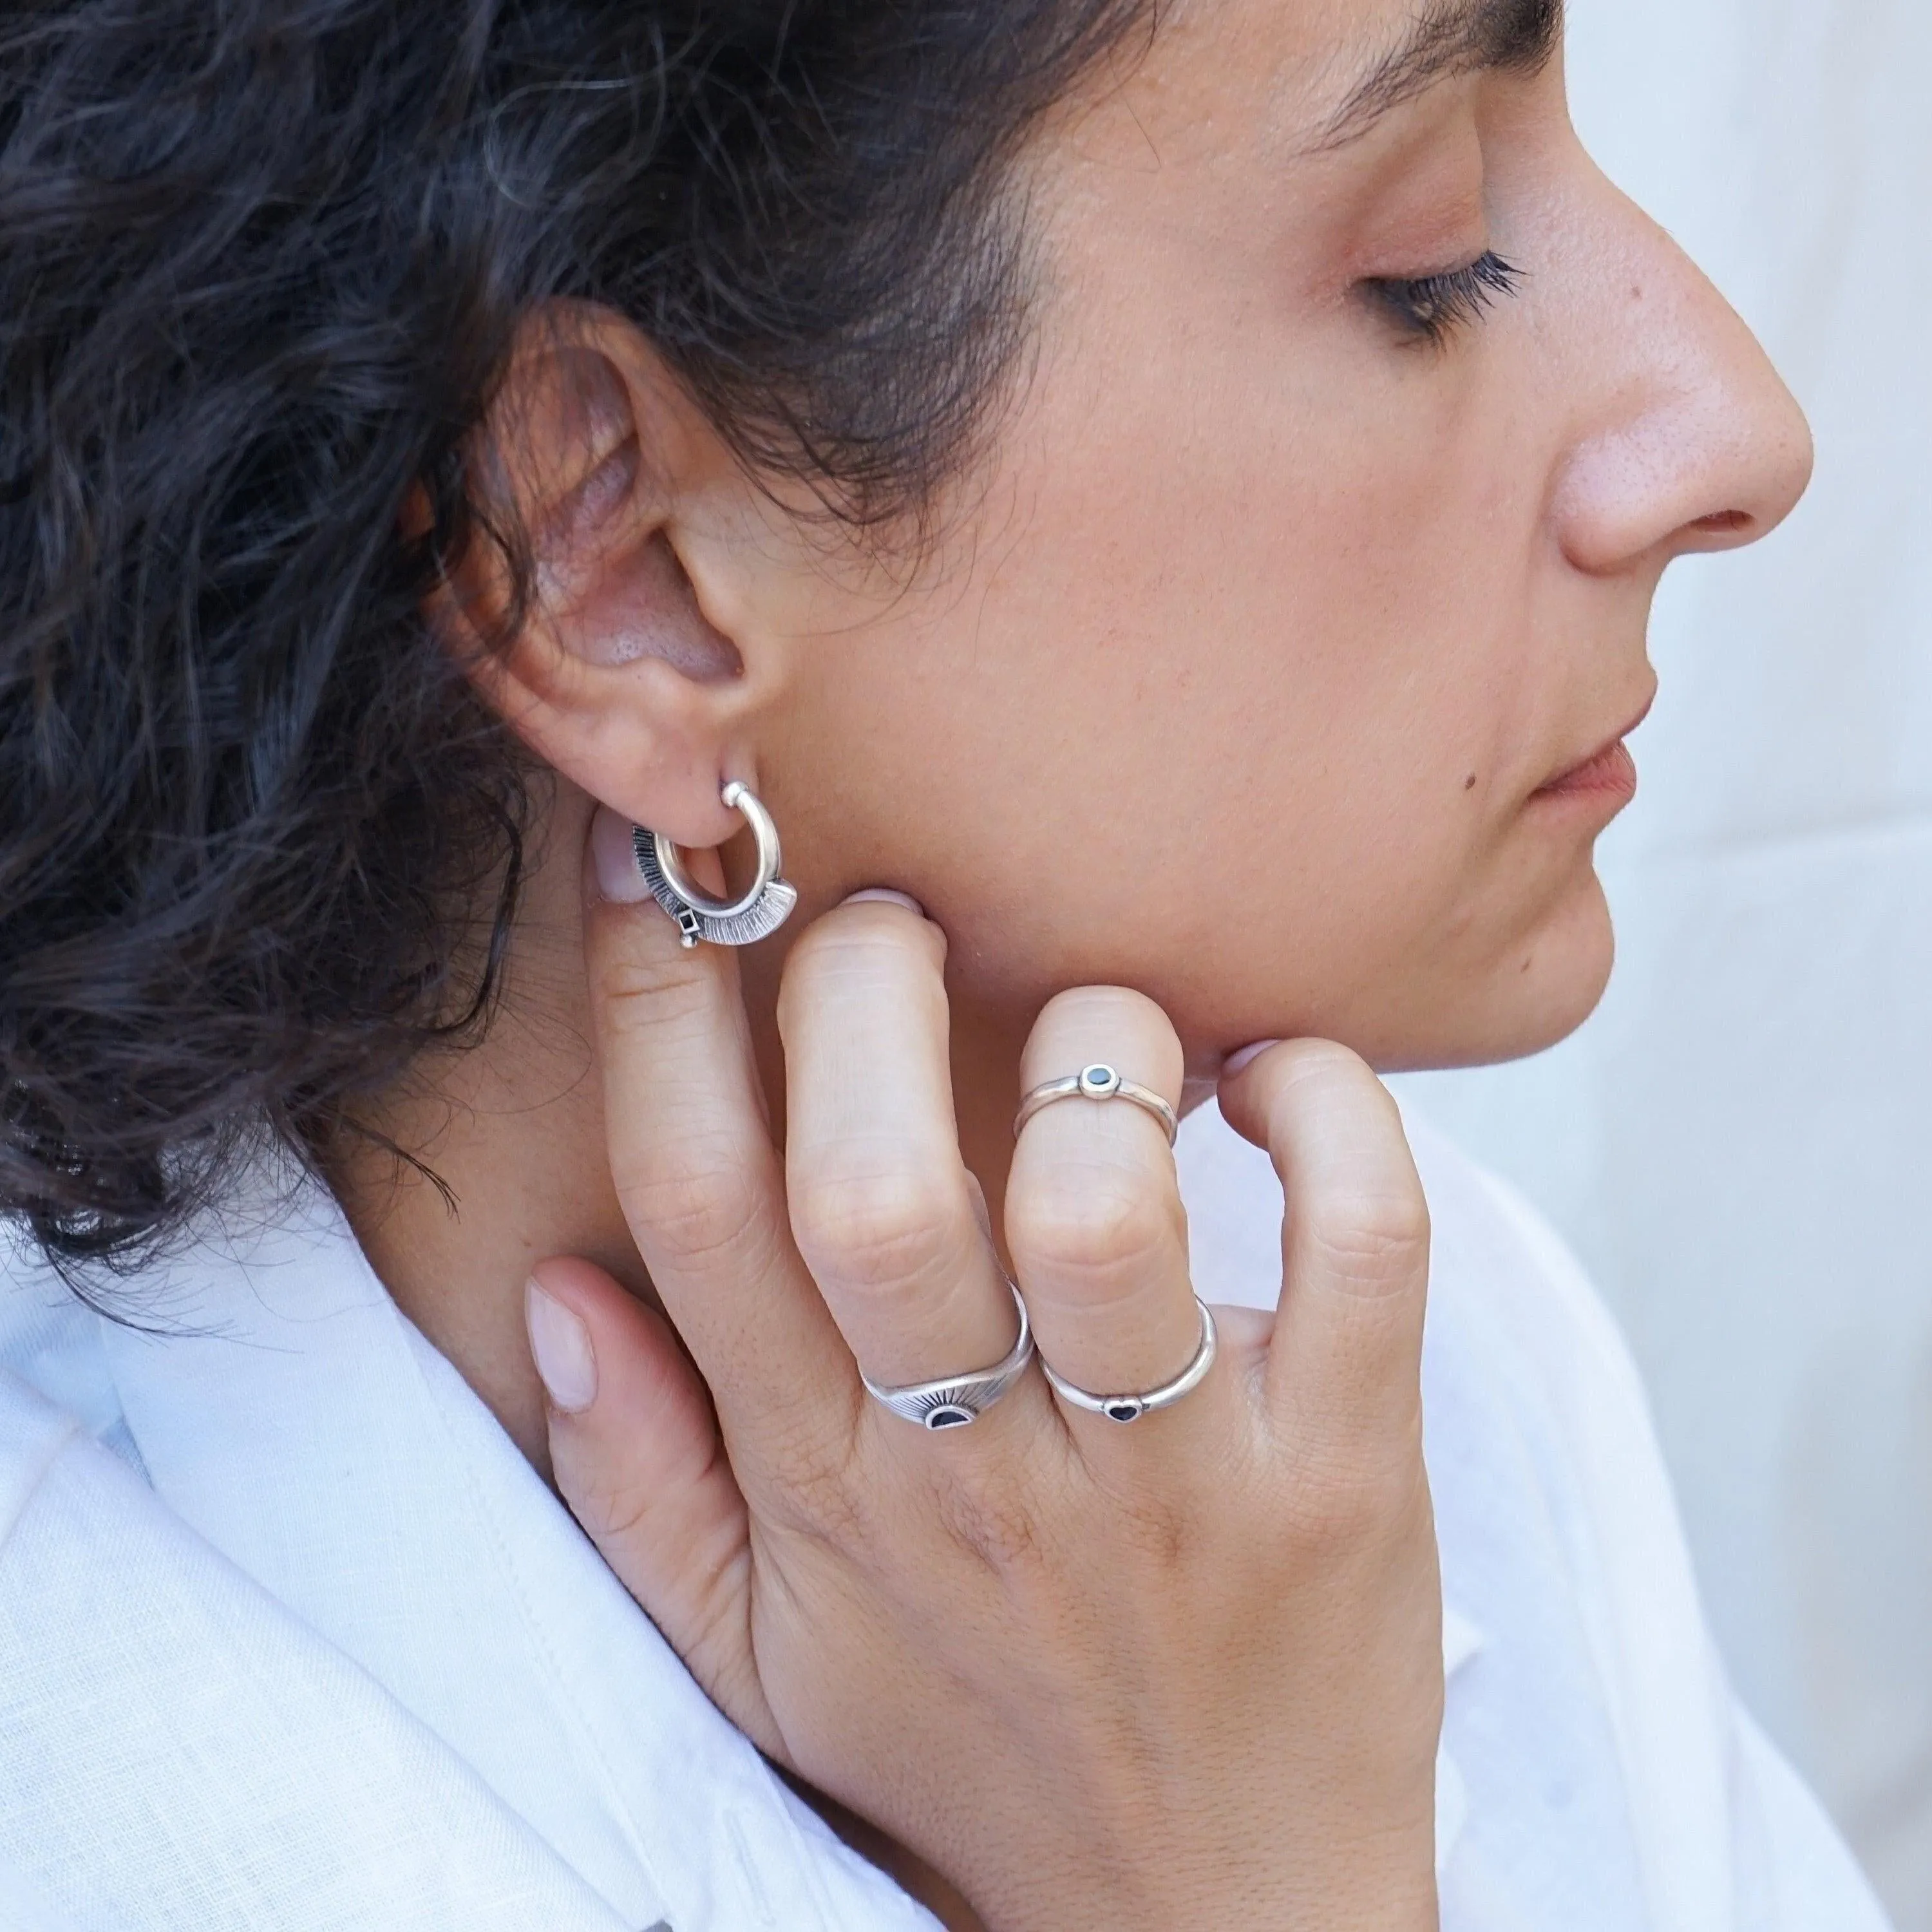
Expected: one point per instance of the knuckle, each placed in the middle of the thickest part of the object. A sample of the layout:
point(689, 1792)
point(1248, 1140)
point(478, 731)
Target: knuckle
point(817, 946)
point(611, 1508)
point(823, 1505)
point(1375, 1242)
point(1000, 1532)
point(876, 1225)
point(1341, 1503)
point(815, 1491)
point(697, 1195)
point(641, 995)
point(877, 942)
point(1328, 1523)
point(1160, 1535)
point(1097, 1226)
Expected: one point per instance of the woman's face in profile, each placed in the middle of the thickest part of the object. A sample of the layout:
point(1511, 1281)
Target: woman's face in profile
point(1277, 660)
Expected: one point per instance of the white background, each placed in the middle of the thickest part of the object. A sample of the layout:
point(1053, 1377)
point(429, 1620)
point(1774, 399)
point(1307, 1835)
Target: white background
point(1740, 1145)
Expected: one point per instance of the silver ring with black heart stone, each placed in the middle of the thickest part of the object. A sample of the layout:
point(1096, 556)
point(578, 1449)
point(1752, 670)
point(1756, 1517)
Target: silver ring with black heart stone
point(1131, 1407)
point(956, 1400)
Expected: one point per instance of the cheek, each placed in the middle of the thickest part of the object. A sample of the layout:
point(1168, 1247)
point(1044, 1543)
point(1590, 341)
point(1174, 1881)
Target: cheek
point(1191, 748)
point(1196, 708)
point(1290, 632)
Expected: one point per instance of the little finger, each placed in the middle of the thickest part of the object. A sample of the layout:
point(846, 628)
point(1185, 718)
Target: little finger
point(1346, 1360)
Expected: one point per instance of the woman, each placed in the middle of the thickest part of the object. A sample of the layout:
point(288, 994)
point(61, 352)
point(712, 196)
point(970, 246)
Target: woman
point(1179, 497)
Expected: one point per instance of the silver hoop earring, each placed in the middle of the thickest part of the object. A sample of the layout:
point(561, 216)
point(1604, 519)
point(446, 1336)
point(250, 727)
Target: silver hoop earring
point(760, 910)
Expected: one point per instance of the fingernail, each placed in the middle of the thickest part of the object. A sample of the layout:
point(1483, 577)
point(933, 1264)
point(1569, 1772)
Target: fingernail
point(614, 857)
point(885, 896)
point(560, 1346)
point(1238, 1063)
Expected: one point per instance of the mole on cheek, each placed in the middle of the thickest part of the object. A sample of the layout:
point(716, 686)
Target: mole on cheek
point(1469, 783)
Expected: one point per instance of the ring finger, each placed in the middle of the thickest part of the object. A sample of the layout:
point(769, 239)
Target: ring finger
point(1093, 1211)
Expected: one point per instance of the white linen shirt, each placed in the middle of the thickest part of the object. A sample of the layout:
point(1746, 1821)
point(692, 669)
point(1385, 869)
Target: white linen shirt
point(292, 1639)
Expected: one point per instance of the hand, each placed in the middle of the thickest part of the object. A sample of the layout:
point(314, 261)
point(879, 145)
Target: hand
point(1182, 1673)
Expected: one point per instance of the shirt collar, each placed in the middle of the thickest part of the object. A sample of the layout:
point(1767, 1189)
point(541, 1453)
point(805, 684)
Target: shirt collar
point(304, 1427)
point(293, 1416)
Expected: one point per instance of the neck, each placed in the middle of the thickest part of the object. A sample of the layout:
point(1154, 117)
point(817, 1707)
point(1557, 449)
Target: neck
point(512, 1131)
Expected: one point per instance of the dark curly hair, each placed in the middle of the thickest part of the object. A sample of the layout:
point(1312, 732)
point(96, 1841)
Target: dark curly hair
point(261, 261)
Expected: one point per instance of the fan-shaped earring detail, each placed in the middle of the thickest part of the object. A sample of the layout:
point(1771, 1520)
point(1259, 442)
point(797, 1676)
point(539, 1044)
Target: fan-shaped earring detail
point(760, 910)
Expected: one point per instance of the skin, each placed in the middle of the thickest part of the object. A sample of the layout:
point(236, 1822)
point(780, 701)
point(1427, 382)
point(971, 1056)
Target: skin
point(1190, 695)
point(1269, 662)
point(1186, 1673)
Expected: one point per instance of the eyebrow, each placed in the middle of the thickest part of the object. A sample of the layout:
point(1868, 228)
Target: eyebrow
point(1447, 37)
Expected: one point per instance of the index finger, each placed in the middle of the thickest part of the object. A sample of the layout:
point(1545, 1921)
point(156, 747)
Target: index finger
point(695, 1170)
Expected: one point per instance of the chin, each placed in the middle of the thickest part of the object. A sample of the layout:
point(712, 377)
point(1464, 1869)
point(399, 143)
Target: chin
point(1536, 993)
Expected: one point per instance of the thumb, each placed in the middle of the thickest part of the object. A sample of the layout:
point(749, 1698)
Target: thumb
point(634, 1444)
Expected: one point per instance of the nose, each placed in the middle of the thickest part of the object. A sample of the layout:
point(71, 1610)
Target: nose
point(1692, 442)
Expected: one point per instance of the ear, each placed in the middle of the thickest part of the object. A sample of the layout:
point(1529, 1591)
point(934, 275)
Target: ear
point(597, 475)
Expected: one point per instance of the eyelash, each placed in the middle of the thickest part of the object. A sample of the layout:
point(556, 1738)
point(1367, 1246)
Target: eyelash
point(1435, 306)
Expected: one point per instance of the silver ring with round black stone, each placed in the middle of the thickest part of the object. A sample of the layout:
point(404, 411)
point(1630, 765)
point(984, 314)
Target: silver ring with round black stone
point(1124, 1408)
point(956, 1400)
point(1099, 1082)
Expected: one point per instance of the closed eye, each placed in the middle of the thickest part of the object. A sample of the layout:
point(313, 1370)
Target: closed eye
point(1433, 307)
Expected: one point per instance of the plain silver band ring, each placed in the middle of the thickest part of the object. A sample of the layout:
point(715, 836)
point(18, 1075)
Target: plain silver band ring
point(1132, 1408)
point(958, 1399)
point(1099, 1082)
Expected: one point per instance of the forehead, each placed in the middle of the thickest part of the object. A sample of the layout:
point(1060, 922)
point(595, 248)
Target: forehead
point(1320, 73)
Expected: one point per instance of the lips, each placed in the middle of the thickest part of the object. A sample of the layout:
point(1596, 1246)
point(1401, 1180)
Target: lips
point(1612, 773)
point(1607, 775)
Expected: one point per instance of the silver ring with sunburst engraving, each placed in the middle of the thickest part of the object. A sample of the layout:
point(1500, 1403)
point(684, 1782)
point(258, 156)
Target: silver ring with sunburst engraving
point(956, 1400)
